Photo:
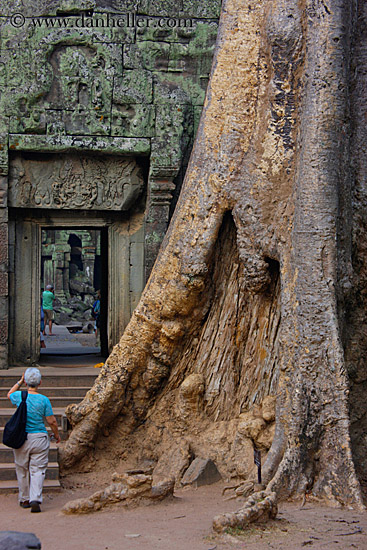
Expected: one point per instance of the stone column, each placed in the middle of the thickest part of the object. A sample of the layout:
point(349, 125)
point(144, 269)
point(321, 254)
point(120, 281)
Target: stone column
point(4, 239)
point(3, 281)
point(165, 163)
point(160, 191)
point(48, 271)
point(61, 259)
point(88, 254)
point(66, 274)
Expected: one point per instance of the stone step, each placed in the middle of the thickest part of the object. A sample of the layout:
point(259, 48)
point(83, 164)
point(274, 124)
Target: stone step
point(49, 380)
point(62, 388)
point(56, 391)
point(7, 413)
point(57, 402)
point(7, 456)
point(7, 471)
point(11, 486)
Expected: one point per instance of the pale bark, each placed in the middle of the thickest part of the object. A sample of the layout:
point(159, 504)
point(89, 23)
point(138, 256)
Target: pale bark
point(273, 150)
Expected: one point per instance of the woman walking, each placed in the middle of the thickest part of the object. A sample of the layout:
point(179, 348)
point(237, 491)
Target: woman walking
point(31, 458)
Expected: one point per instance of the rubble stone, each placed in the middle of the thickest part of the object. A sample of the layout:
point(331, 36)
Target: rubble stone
point(17, 540)
point(201, 472)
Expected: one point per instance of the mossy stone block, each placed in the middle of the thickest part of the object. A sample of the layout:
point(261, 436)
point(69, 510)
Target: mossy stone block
point(133, 120)
point(87, 122)
point(135, 86)
point(167, 89)
point(146, 55)
point(165, 8)
point(171, 87)
point(199, 8)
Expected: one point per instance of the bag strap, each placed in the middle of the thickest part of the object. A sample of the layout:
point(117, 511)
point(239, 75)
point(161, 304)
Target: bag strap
point(24, 395)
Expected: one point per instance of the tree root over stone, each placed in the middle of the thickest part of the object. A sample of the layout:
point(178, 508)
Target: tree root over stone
point(259, 507)
point(128, 489)
point(284, 175)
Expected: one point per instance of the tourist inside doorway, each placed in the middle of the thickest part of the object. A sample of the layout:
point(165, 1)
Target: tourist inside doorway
point(48, 298)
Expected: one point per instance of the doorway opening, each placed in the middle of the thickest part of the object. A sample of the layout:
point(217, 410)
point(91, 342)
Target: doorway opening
point(74, 260)
point(119, 270)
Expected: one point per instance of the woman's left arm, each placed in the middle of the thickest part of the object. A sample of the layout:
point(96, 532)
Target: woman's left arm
point(16, 386)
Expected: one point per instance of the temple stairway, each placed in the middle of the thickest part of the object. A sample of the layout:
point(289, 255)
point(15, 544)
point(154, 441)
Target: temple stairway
point(62, 386)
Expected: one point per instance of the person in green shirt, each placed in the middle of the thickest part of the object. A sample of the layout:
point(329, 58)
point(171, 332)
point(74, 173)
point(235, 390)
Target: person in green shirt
point(48, 298)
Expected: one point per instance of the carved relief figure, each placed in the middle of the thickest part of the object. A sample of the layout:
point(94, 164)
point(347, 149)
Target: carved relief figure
point(73, 182)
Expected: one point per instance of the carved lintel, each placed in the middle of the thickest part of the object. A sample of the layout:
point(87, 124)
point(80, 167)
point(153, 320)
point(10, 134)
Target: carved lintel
point(75, 182)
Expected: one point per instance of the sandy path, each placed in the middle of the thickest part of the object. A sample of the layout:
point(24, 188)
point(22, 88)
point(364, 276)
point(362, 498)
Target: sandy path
point(183, 524)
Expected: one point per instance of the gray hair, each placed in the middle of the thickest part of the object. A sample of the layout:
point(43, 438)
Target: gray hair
point(32, 377)
point(49, 287)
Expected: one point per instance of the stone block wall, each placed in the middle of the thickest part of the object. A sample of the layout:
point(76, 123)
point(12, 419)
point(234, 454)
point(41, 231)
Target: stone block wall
point(101, 78)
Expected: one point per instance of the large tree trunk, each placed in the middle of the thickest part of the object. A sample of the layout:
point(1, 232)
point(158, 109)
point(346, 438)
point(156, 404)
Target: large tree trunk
point(252, 283)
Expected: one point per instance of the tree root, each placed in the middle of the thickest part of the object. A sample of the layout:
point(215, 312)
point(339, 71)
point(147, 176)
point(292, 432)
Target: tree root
point(243, 489)
point(260, 506)
point(127, 489)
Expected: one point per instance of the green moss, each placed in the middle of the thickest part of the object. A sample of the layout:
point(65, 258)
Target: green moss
point(119, 87)
point(133, 120)
point(135, 86)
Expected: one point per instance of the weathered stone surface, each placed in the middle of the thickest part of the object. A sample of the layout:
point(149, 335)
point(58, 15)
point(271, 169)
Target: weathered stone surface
point(17, 540)
point(146, 55)
point(65, 144)
point(4, 157)
point(136, 86)
point(133, 120)
point(201, 472)
point(3, 283)
point(77, 182)
point(3, 244)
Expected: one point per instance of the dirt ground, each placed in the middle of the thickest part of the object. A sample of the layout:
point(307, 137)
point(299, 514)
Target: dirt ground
point(183, 523)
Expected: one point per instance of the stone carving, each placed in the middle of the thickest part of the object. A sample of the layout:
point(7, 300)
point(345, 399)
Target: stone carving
point(74, 182)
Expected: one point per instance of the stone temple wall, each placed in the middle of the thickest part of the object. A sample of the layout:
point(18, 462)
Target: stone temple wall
point(96, 80)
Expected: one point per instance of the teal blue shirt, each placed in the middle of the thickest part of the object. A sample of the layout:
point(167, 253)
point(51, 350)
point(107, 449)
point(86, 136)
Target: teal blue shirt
point(38, 406)
point(47, 299)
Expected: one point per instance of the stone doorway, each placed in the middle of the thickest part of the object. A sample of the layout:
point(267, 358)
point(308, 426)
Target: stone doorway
point(122, 273)
point(75, 262)
point(80, 191)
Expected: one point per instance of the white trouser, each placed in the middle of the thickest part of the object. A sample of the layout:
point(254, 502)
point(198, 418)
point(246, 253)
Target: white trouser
point(30, 463)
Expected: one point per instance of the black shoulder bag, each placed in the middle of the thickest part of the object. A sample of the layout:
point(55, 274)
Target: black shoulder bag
point(14, 431)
